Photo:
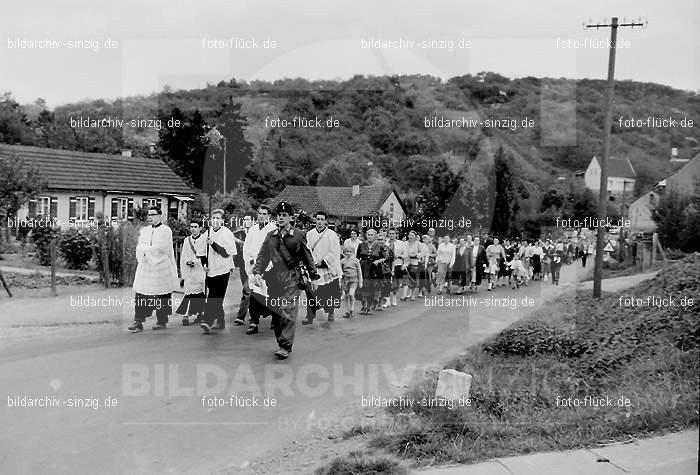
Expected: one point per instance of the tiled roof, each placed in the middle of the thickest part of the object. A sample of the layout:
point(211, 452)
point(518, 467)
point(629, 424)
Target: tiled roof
point(70, 170)
point(618, 167)
point(336, 200)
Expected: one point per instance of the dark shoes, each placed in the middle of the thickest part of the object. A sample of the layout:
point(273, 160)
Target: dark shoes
point(238, 322)
point(306, 321)
point(205, 328)
point(136, 327)
point(185, 321)
point(282, 354)
point(252, 329)
point(159, 326)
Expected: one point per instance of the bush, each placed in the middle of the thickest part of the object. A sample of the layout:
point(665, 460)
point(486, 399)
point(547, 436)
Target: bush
point(119, 244)
point(41, 237)
point(76, 248)
point(536, 338)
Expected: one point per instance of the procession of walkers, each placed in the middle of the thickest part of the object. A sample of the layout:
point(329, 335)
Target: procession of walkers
point(283, 266)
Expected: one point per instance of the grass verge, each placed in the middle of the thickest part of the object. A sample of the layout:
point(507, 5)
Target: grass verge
point(643, 360)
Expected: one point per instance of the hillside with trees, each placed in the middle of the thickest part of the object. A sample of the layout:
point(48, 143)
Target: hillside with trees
point(381, 137)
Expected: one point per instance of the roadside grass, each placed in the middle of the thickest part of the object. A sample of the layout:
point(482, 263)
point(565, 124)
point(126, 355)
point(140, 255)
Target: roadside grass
point(576, 347)
point(359, 463)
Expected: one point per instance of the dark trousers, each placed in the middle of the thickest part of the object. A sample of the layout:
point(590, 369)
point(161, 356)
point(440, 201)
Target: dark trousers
point(311, 307)
point(191, 305)
point(245, 294)
point(144, 305)
point(283, 304)
point(214, 308)
point(556, 269)
point(584, 257)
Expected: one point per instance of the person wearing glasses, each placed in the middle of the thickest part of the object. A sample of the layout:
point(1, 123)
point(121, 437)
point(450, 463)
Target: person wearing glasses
point(156, 274)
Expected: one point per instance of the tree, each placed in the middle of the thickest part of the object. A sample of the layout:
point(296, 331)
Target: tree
point(182, 147)
point(677, 220)
point(226, 142)
point(508, 196)
point(14, 125)
point(18, 184)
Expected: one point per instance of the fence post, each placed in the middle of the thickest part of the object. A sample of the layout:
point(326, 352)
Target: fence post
point(4, 284)
point(52, 258)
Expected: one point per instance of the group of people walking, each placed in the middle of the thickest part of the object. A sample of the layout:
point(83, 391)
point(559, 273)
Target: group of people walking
point(283, 267)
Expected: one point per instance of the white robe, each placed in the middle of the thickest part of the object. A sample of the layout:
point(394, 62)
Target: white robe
point(253, 242)
point(194, 276)
point(156, 273)
point(325, 247)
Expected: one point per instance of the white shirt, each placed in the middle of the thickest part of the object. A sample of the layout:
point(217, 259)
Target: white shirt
point(446, 253)
point(253, 242)
point(354, 243)
point(217, 263)
point(399, 250)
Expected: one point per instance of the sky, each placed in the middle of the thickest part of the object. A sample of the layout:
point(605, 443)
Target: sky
point(187, 43)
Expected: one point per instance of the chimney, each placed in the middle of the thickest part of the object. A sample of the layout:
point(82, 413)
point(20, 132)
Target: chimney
point(355, 190)
point(126, 153)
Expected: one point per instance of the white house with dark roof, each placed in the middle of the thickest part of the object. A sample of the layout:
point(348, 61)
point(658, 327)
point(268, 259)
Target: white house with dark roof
point(346, 204)
point(80, 185)
point(621, 176)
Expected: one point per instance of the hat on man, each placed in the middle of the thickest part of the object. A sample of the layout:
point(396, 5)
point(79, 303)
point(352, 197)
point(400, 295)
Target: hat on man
point(284, 207)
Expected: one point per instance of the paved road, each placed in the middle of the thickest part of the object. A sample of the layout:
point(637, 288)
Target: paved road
point(50, 350)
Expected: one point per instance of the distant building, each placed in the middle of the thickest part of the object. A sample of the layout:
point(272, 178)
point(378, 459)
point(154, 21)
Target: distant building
point(684, 182)
point(80, 185)
point(641, 212)
point(686, 179)
point(348, 205)
point(621, 176)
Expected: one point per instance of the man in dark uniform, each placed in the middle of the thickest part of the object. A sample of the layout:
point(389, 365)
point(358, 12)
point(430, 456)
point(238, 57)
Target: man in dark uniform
point(287, 250)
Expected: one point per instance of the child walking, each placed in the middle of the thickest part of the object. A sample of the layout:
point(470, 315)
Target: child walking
point(352, 279)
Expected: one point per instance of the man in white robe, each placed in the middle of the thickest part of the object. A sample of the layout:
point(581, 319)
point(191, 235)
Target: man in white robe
point(194, 248)
point(251, 247)
point(156, 274)
point(324, 244)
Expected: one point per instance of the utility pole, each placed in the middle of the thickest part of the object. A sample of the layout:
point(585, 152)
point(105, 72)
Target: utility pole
point(603, 193)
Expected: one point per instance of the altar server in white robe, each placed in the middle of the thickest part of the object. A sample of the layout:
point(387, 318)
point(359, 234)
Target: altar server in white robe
point(156, 273)
point(325, 249)
point(192, 258)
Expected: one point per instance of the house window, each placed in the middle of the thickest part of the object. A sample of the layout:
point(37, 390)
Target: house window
point(391, 210)
point(148, 202)
point(43, 206)
point(81, 208)
point(120, 208)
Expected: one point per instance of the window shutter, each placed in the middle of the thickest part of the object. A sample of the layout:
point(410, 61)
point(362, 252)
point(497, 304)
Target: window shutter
point(54, 207)
point(130, 208)
point(144, 203)
point(32, 209)
point(115, 209)
point(91, 208)
point(158, 204)
point(71, 207)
